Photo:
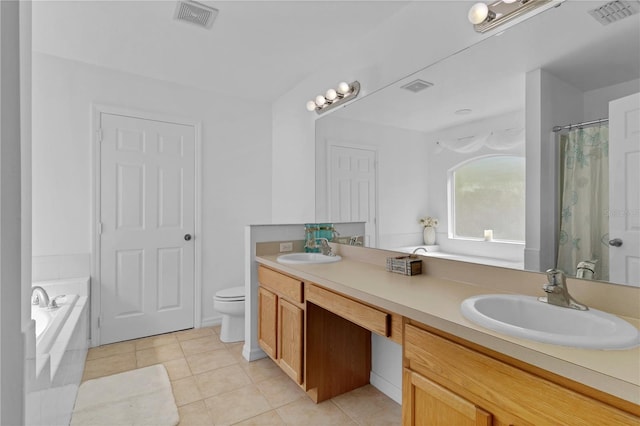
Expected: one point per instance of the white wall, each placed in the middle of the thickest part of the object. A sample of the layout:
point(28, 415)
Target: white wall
point(12, 303)
point(236, 152)
point(402, 175)
point(596, 102)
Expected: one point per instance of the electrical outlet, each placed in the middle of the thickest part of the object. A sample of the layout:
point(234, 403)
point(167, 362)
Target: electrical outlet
point(286, 247)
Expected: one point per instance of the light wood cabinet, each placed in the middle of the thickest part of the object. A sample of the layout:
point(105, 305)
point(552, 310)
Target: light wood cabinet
point(440, 368)
point(290, 339)
point(427, 403)
point(267, 321)
point(281, 321)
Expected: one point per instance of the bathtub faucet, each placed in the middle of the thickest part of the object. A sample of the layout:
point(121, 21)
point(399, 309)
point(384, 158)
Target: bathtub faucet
point(41, 297)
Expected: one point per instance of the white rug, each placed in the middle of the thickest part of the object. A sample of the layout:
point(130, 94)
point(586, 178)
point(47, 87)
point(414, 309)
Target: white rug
point(137, 397)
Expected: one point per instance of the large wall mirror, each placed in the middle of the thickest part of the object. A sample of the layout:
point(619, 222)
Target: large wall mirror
point(469, 141)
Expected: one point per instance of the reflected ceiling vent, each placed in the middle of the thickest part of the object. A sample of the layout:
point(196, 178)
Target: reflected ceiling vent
point(614, 11)
point(195, 13)
point(417, 86)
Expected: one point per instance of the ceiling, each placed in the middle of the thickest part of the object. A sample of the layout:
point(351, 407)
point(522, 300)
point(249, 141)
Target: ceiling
point(255, 49)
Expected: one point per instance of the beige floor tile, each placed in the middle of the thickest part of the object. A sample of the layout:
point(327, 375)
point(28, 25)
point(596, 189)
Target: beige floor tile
point(158, 354)
point(382, 418)
point(199, 363)
point(185, 391)
point(368, 402)
point(235, 349)
point(280, 390)
point(194, 414)
point(222, 380)
point(216, 329)
point(111, 349)
point(270, 418)
point(262, 369)
point(109, 365)
point(201, 344)
point(238, 405)
point(177, 368)
point(154, 341)
point(194, 333)
point(303, 411)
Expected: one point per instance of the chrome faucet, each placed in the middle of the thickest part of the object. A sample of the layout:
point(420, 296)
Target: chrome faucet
point(420, 248)
point(41, 297)
point(325, 248)
point(557, 292)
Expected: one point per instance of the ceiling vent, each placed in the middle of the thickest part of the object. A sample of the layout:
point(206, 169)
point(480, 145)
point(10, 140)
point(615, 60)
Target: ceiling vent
point(614, 11)
point(417, 85)
point(195, 13)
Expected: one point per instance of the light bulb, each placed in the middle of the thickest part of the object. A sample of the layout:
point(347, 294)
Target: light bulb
point(478, 13)
point(311, 106)
point(509, 1)
point(331, 95)
point(320, 100)
point(344, 88)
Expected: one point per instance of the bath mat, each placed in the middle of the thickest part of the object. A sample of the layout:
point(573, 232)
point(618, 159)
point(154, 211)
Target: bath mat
point(137, 397)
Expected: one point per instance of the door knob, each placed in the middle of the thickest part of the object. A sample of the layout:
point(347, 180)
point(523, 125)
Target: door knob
point(616, 242)
point(187, 237)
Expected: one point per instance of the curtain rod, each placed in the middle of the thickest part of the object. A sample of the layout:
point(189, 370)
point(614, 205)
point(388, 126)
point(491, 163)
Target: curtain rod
point(586, 123)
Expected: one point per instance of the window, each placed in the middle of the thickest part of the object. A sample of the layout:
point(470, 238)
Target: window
point(488, 193)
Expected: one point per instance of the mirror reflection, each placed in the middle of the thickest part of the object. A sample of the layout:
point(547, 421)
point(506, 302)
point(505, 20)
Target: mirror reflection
point(470, 142)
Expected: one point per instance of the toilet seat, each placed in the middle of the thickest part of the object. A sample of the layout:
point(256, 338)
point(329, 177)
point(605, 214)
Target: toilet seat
point(232, 294)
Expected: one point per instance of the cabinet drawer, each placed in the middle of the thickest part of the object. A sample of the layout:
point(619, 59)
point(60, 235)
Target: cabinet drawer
point(365, 316)
point(284, 285)
point(496, 385)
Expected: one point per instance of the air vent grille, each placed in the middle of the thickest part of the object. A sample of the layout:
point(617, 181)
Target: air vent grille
point(195, 13)
point(614, 11)
point(417, 85)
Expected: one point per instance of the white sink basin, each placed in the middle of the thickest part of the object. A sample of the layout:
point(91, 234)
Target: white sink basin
point(526, 317)
point(301, 258)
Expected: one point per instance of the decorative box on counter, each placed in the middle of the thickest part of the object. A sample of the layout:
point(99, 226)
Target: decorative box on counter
point(405, 265)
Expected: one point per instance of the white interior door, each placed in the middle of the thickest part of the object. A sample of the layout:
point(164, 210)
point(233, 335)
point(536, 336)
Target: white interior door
point(352, 188)
point(146, 212)
point(624, 193)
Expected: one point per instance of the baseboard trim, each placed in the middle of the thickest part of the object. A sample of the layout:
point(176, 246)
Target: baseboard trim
point(211, 321)
point(386, 387)
point(252, 354)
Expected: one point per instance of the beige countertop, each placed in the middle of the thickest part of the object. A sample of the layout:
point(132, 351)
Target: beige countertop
point(435, 301)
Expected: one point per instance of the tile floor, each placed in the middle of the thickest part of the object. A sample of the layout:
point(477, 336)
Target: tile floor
point(214, 385)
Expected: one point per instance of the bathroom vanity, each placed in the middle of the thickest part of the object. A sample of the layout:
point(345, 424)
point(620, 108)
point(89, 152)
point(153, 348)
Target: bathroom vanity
point(316, 321)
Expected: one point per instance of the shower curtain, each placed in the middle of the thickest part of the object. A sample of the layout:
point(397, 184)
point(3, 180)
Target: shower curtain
point(584, 228)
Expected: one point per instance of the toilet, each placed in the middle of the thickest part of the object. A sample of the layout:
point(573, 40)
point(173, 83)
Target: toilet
point(230, 303)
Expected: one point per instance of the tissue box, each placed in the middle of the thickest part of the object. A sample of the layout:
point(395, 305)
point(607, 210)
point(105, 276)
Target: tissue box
point(405, 265)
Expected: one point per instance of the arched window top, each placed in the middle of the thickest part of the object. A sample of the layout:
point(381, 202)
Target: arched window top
point(488, 193)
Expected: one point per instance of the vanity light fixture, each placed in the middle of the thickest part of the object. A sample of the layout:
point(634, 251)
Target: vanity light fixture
point(485, 17)
point(334, 97)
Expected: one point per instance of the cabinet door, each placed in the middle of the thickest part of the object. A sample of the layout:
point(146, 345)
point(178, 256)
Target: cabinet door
point(290, 339)
point(267, 321)
point(427, 403)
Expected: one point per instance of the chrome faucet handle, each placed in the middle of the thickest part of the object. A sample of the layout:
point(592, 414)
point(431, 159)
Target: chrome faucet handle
point(53, 304)
point(556, 277)
point(557, 292)
point(325, 247)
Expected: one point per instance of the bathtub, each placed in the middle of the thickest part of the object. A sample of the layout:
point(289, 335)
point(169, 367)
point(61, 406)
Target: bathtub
point(62, 332)
point(61, 345)
point(49, 322)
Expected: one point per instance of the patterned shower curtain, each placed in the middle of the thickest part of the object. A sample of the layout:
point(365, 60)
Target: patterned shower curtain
point(584, 229)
